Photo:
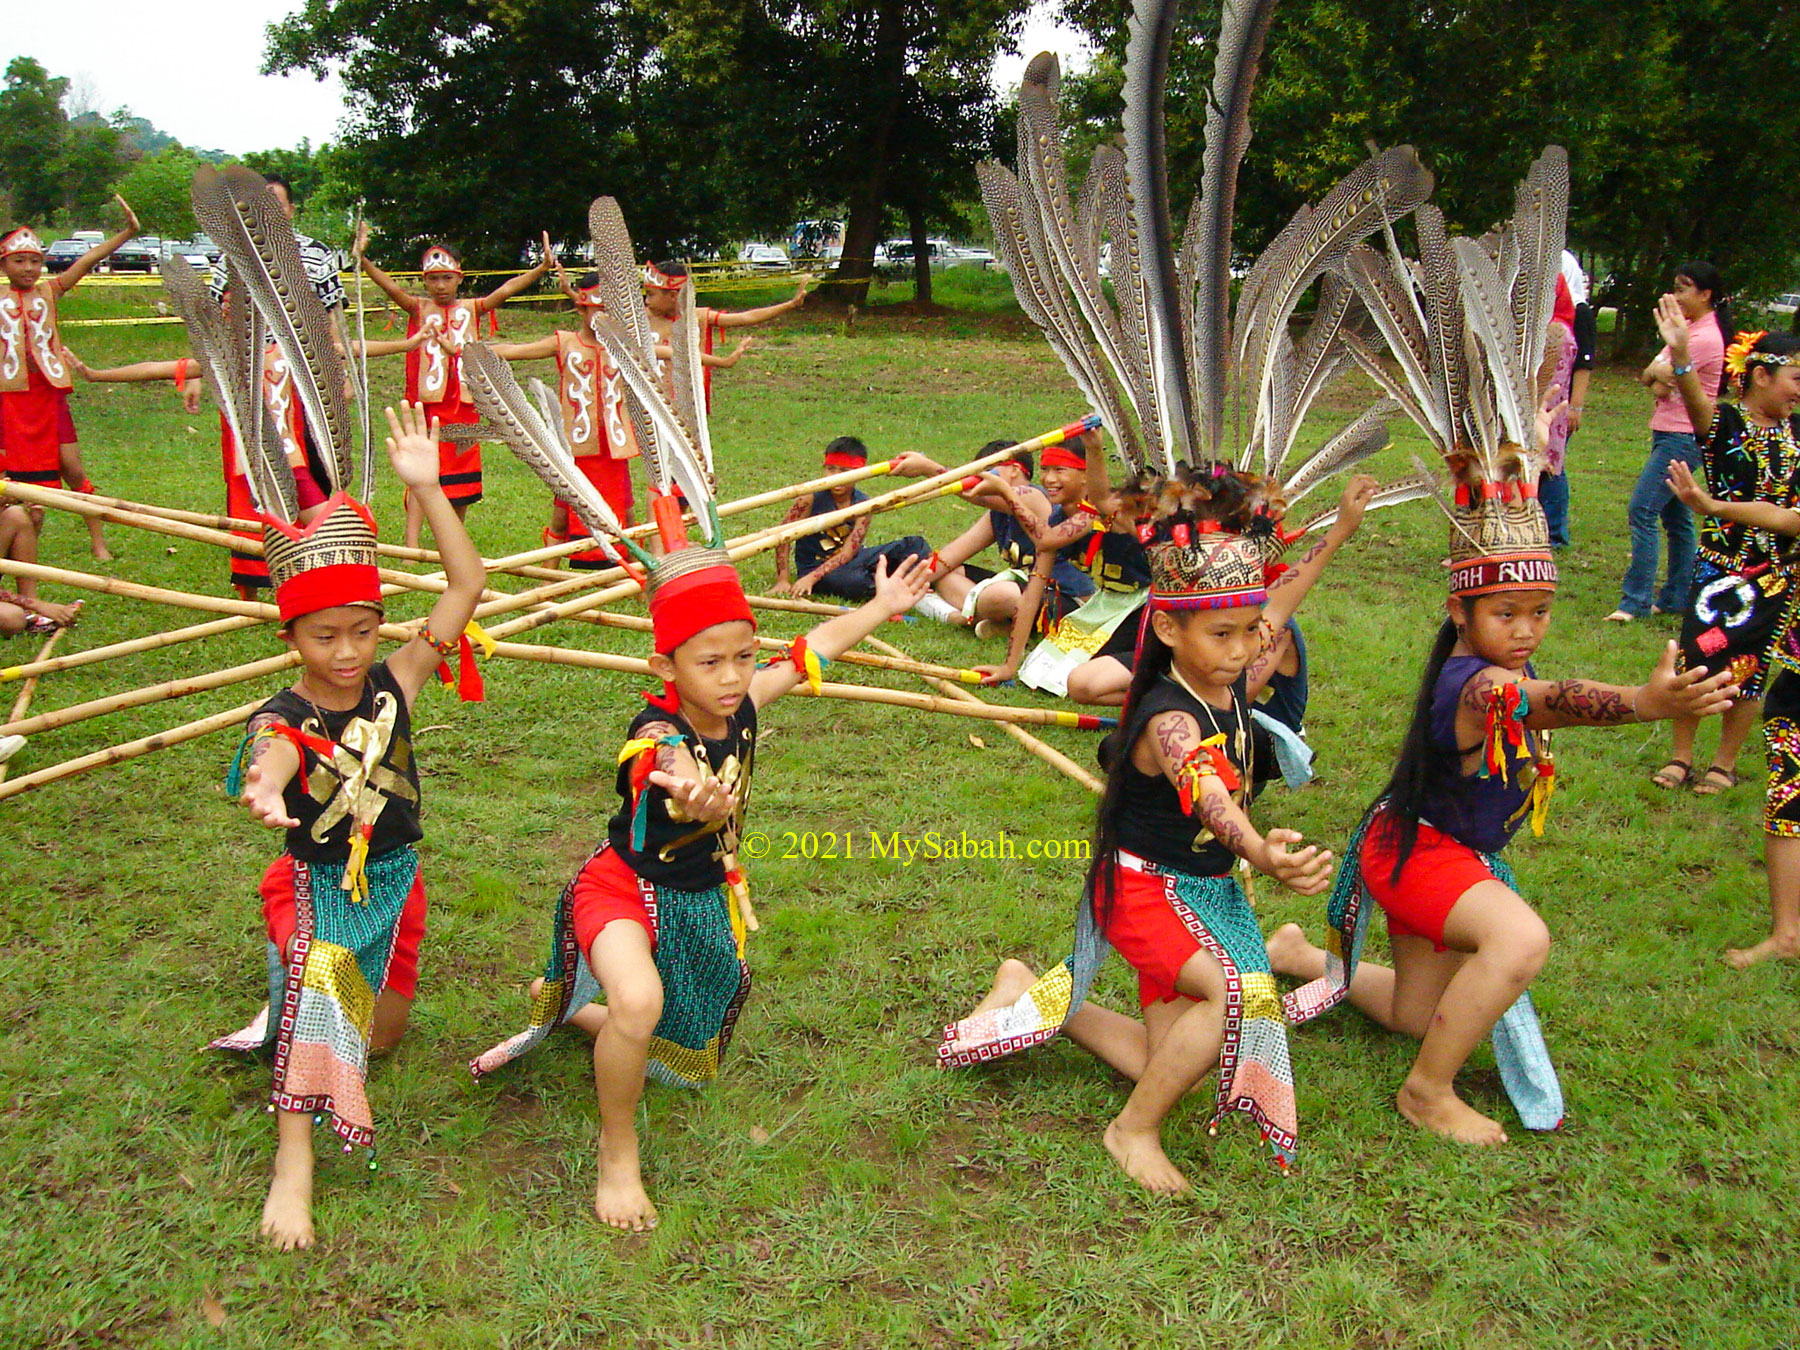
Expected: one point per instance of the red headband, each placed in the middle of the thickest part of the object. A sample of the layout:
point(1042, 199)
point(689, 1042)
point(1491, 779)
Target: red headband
point(690, 604)
point(439, 259)
point(324, 564)
point(21, 240)
point(1525, 571)
point(845, 459)
point(1061, 457)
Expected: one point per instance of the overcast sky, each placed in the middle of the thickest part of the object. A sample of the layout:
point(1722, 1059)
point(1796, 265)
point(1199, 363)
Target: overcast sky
point(191, 67)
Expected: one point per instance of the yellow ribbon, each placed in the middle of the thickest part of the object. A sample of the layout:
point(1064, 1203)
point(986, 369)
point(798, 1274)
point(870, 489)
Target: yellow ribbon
point(356, 870)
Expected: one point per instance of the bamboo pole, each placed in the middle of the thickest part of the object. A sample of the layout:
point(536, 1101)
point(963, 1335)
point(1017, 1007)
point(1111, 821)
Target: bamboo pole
point(154, 693)
point(902, 663)
point(854, 693)
point(162, 595)
point(1049, 754)
point(117, 754)
point(173, 637)
point(29, 688)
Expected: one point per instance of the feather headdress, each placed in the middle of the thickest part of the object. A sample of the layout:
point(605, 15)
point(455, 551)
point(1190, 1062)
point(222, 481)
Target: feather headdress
point(1466, 326)
point(1176, 377)
point(329, 558)
point(690, 586)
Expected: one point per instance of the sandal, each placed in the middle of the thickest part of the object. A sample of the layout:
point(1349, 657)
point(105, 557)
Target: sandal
point(1716, 780)
point(1667, 781)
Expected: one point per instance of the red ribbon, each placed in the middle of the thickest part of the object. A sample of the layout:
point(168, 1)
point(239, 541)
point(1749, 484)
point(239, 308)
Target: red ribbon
point(469, 686)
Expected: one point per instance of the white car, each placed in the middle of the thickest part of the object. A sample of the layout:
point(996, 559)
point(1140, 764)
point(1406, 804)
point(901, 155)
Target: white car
point(763, 257)
point(1785, 303)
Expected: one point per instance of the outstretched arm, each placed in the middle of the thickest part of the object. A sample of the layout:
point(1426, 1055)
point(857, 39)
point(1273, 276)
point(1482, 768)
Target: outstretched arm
point(1757, 515)
point(851, 546)
point(274, 761)
point(413, 451)
point(965, 546)
point(1590, 703)
point(742, 318)
point(390, 346)
point(542, 349)
point(401, 297)
point(507, 289)
point(65, 281)
point(1290, 588)
point(1177, 751)
point(895, 593)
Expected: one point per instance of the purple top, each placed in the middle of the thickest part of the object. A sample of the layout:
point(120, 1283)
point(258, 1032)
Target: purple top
point(1482, 813)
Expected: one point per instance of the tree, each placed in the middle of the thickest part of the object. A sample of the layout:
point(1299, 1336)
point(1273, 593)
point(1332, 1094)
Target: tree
point(160, 189)
point(32, 132)
point(1670, 157)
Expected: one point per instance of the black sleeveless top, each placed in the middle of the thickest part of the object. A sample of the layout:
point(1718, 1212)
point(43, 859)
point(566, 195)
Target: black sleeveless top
point(677, 852)
point(1151, 822)
point(1121, 564)
point(812, 549)
point(319, 797)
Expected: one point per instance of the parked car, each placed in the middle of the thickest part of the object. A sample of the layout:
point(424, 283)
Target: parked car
point(64, 253)
point(763, 257)
point(1785, 303)
point(137, 255)
point(189, 251)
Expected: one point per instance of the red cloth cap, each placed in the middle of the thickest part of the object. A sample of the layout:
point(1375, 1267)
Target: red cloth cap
point(320, 588)
point(1061, 457)
point(844, 459)
point(695, 601)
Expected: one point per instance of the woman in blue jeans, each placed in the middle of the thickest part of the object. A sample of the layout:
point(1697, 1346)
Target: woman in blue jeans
point(1700, 292)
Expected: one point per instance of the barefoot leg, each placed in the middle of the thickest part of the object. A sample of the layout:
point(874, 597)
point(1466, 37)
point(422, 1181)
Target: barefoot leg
point(1011, 981)
point(1782, 855)
point(1183, 1038)
point(621, 960)
point(287, 1213)
point(589, 1017)
point(1504, 945)
point(1371, 987)
point(391, 1011)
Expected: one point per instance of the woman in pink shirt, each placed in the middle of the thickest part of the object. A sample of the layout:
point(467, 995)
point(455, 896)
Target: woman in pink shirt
point(1700, 292)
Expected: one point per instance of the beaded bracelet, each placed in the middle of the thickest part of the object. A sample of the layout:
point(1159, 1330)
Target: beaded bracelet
point(448, 648)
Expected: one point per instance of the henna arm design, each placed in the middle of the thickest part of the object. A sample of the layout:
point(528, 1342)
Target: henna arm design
point(1588, 704)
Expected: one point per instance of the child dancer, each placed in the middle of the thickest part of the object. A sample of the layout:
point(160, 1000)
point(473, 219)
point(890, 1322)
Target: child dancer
point(1182, 769)
point(434, 370)
point(331, 759)
point(34, 377)
point(1741, 603)
point(655, 920)
point(1744, 615)
point(662, 284)
point(1476, 761)
point(835, 561)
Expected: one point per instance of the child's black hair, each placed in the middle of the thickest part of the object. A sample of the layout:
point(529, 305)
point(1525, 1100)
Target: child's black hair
point(672, 268)
point(587, 280)
point(1707, 278)
point(848, 445)
point(1024, 458)
point(1154, 658)
point(1423, 766)
point(1774, 344)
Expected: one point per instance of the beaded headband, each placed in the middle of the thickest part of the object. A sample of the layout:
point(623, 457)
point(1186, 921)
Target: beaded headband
point(1740, 356)
point(21, 240)
point(440, 259)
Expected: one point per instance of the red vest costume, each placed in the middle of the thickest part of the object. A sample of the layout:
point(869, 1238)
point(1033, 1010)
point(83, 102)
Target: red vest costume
point(34, 379)
point(250, 569)
point(434, 378)
point(598, 430)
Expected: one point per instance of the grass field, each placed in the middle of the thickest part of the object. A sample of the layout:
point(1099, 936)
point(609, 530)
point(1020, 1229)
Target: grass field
point(833, 1188)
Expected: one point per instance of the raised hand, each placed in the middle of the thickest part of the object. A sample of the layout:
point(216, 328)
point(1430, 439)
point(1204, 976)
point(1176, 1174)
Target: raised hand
point(1358, 492)
point(1672, 324)
point(361, 245)
point(900, 589)
point(1692, 693)
point(264, 800)
point(1306, 872)
point(706, 800)
point(131, 220)
point(1684, 486)
point(412, 445)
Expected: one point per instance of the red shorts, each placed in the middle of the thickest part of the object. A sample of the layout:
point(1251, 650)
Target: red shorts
point(1147, 932)
point(1438, 872)
point(607, 889)
point(29, 431)
point(279, 915)
point(459, 466)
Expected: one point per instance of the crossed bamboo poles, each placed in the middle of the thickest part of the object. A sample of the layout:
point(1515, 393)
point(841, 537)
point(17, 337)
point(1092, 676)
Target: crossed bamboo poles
point(558, 595)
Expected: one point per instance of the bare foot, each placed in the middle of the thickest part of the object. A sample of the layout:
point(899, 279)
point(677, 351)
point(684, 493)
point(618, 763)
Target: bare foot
point(101, 552)
point(620, 1199)
point(1010, 983)
point(287, 1213)
point(590, 1017)
point(1291, 954)
point(1447, 1114)
point(1140, 1153)
point(1742, 958)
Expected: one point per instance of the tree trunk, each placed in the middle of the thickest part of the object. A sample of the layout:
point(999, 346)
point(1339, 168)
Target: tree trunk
point(868, 202)
point(915, 217)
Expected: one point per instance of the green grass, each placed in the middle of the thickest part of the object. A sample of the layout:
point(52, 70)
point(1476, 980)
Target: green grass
point(833, 1188)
